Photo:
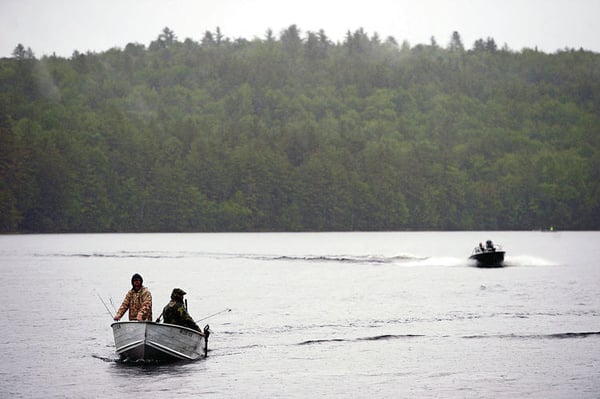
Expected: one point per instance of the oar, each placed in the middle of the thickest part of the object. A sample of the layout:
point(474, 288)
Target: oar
point(214, 314)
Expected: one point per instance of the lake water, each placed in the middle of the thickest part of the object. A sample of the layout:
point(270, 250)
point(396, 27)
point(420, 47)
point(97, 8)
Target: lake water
point(352, 315)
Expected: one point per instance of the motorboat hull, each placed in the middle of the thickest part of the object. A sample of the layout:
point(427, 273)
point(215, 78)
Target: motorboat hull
point(489, 258)
point(149, 341)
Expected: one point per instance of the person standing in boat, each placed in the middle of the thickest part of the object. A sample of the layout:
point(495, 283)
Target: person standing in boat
point(176, 313)
point(138, 301)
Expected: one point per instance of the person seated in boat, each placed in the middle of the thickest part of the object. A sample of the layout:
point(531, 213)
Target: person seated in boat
point(481, 249)
point(489, 246)
point(138, 301)
point(176, 313)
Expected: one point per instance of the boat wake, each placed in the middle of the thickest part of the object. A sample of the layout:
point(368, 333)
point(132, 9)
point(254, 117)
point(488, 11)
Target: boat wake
point(373, 338)
point(402, 259)
point(435, 261)
point(106, 359)
point(385, 337)
point(124, 254)
point(407, 260)
point(527, 260)
point(368, 259)
point(567, 335)
point(364, 259)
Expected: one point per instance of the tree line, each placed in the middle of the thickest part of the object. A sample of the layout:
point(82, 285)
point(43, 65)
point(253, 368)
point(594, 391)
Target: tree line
point(295, 132)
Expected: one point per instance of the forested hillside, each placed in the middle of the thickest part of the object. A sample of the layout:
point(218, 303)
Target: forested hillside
point(294, 132)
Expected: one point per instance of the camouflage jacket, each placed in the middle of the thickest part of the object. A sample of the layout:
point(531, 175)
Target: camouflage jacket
point(175, 313)
point(139, 304)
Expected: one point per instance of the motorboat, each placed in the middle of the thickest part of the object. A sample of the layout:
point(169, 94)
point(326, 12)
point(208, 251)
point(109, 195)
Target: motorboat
point(490, 255)
point(143, 341)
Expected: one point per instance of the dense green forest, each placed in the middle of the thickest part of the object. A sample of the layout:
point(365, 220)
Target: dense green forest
point(295, 132)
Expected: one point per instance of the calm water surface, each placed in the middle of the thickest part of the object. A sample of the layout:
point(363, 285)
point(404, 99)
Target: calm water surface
point(377, 315)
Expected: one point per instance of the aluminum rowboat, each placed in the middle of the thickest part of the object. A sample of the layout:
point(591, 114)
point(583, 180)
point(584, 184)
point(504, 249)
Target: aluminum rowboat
point(149, 341)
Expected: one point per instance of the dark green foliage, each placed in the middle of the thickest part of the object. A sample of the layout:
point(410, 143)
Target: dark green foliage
point(295, 132)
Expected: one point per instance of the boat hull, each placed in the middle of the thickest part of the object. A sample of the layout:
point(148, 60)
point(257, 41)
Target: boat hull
point(149, 341)
point(489, 259)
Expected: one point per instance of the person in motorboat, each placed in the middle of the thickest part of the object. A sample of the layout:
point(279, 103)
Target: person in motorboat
point(481, 249)
point(489, 246)
point(176, 313)
point(138, 301)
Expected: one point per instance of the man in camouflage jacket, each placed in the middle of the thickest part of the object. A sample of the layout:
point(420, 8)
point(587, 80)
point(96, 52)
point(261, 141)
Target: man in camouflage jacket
point(176, 313)
point(138, 300)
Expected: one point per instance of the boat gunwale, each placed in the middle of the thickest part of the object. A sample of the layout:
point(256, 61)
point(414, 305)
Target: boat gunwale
point(146, 322)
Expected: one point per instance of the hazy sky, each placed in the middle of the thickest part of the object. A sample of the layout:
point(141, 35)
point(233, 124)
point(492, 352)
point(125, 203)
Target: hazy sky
point(62, 26)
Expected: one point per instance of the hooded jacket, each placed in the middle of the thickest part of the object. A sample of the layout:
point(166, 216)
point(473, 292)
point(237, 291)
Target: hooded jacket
point(139, 304)
point(175, 313)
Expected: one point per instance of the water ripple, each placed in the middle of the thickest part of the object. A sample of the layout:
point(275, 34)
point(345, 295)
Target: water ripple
point(384, 337)
point(372, 338)
point(567, 335)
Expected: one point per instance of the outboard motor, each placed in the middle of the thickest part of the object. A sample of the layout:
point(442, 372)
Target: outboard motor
point(206, 335)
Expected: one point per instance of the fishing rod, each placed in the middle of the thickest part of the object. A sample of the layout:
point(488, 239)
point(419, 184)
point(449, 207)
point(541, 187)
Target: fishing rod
point(105, 306)
point(112, 304)
point(214, 314)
